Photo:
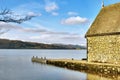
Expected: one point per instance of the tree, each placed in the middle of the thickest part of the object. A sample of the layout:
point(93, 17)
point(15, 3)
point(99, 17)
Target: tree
point(6, 15)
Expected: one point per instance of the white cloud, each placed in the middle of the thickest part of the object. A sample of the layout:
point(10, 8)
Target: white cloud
point(40, 35)
point(74, 20)
point(7, 26)
point(28, 9)
point(51, 6)
point(55, 14)
point(72, 13)
point(63, 39)
point(33, 14)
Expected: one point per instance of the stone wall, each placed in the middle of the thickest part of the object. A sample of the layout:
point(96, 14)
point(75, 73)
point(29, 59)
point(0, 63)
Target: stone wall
point(105, 69)
point(104, 49)
point(102, 69)
point(102, 77)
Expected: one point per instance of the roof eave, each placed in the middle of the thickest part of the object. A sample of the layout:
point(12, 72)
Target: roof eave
point(102, 34)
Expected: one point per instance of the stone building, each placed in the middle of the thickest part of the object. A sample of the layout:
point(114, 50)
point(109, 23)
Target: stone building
point(103, 37)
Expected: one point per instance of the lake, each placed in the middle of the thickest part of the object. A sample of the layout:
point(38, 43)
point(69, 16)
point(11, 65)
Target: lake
point(15, 64)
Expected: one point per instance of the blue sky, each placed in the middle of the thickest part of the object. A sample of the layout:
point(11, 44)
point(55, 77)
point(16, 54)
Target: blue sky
point(57, 21)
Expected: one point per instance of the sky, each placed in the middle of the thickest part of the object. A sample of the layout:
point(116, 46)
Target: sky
point(57, 21)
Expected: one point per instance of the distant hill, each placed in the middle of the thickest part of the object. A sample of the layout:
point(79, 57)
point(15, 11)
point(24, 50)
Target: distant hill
point(16, 44)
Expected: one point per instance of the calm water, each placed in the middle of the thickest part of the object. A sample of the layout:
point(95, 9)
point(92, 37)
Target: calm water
point(17, 65)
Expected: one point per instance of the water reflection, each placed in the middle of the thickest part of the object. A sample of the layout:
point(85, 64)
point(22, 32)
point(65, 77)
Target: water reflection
point(17, 65)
